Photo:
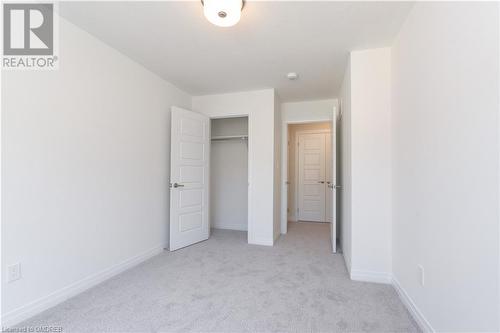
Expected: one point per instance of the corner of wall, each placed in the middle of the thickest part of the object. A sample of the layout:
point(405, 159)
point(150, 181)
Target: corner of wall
point(410, 305)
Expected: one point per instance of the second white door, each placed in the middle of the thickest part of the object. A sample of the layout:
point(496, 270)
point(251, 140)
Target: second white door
point(189, 176)
point(329, 178)
point(312, 177)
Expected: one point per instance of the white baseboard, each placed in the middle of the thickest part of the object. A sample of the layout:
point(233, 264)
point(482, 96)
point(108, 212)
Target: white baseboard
point(387, 278)
point(424, 324)
point(261, 241)
point(371, 276)
point(347, 262)
point(238, 227)
point(29, 310)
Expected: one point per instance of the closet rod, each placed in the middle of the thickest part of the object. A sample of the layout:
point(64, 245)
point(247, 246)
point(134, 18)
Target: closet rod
point(232, 137)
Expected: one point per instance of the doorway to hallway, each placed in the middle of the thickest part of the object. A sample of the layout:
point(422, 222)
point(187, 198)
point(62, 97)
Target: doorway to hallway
point(310, 172)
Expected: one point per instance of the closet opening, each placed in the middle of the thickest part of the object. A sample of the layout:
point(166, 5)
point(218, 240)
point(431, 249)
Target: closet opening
point(229, 174)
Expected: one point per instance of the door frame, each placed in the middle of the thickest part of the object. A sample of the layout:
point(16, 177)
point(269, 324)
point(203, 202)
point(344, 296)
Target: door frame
point(284, 163)
point(296, 154)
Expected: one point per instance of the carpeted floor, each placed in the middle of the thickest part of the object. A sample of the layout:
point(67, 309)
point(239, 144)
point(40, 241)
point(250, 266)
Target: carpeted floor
point(226, 285)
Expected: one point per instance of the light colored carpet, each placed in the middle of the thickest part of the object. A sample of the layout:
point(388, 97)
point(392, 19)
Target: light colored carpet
point(226, 285)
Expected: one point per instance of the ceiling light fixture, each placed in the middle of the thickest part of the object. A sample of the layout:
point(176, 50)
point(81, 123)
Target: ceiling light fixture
point(223, 13)
point(292, 76)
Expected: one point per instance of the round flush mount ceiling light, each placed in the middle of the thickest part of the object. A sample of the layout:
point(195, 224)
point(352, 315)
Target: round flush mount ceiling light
point(223, 13)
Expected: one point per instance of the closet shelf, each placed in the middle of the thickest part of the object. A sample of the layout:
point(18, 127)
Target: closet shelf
point(230, 137)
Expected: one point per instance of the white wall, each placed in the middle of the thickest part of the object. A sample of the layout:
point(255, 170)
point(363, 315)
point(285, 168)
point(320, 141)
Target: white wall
point(229, 175)
point(296, 112)
point(445, 157)
point(316, 110)
point(259, 106)
point(366, 165)
point(345, 167)
point(85, 168)
point(370, 144)
point(277, 169)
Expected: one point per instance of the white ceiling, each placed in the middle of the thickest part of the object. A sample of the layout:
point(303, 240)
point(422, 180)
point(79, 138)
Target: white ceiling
point(174, 40)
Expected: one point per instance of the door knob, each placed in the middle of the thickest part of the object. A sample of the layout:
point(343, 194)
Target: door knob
point(176, 185)
point(321, 182)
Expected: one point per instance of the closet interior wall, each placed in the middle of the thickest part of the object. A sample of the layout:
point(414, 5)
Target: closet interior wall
point(229, 173)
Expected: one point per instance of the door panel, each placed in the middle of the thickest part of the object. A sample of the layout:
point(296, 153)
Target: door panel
point(189, 170)
point(191, 174)
point(311, 189)
point(190, 198)
point(190, 221)
point(191, 151)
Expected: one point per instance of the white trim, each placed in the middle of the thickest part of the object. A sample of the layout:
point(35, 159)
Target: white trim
point(371, 276)
point(276, 237)
point(323, 130)
point(498, 170)
point(261, 241)
point(29, 310)
point(387, 278)
point(238, 227)
point(250, 222)
point(422, 322)
point(347, 262)
point(285, 215)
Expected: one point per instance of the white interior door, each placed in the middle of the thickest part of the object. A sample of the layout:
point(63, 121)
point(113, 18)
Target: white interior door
point(332, 186)
point(311, 177)
point(189, 178)
point(329, 177)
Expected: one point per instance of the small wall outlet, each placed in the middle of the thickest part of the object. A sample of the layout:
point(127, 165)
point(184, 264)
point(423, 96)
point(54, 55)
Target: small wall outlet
point(13, 272)
point(421, 274)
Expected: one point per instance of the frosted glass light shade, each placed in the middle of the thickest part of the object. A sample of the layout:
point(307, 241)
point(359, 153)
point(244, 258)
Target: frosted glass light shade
point(223, 13)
